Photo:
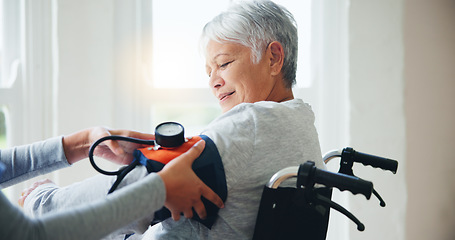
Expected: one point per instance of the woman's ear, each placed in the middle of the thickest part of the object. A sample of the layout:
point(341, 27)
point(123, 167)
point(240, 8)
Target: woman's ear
point(276, 57)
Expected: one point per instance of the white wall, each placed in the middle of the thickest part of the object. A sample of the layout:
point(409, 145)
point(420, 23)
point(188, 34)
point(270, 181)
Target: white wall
point(85, 69)
point(377, 121)
point(429, 74)
point(85, 64)
point(402, 79)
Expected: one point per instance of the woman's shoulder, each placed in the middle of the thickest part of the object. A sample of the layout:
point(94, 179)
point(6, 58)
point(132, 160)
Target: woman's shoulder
point(290, 105)
point(273, 111)
point(247, 114)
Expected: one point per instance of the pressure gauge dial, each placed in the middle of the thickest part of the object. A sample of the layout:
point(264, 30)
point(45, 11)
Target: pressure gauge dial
point(169, 134)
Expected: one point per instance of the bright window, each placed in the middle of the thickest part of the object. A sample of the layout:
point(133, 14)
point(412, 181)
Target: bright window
point(3, 142)
point(302, 14)
point(1, 43)
point(9, 63)
point(24, 88)
point(9, 41)
point(177, 62)
point(9, 66)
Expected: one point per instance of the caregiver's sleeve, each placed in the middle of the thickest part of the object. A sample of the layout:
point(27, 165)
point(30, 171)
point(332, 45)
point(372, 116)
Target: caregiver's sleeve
point(28, 161)
point(90, 221)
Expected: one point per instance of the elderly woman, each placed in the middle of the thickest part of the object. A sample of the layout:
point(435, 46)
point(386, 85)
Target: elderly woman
point(251, 56)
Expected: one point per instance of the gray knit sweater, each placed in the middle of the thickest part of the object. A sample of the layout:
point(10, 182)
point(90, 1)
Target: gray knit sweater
point(87, 221)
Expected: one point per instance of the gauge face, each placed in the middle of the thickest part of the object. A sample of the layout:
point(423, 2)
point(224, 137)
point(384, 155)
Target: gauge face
point(169, 129)
point(169, 134)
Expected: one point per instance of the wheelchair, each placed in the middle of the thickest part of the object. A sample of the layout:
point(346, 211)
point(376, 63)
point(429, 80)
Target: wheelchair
point(302, 212)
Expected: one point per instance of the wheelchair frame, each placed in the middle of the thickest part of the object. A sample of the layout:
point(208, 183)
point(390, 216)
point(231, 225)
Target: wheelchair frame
point(303, 212)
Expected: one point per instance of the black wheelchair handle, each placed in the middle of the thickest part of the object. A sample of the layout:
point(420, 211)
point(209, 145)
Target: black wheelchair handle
point(349, 154)
point(308, 175)
point(344, 182)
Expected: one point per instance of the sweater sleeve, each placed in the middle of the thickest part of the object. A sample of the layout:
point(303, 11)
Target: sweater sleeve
point(28, 161)
point(90, 221)
point(49, 198)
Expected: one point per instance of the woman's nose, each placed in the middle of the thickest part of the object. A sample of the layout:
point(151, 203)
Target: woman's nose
point(216, 81)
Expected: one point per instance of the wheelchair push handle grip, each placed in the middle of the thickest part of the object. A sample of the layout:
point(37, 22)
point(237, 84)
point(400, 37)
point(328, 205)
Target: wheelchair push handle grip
point(344, 182)
point(308, 175)
point(350, 154)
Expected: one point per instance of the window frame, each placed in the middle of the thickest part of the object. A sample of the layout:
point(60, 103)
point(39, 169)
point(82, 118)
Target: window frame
point(29, 98)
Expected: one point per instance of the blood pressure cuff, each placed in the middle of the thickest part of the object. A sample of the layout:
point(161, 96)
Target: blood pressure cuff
point(208, 167)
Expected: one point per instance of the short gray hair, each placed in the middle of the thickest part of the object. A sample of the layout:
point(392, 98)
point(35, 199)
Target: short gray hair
point(255, 24)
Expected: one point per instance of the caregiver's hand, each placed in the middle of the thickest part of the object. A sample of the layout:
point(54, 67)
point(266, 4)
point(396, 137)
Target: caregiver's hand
point(77, 145)
point(183, 188)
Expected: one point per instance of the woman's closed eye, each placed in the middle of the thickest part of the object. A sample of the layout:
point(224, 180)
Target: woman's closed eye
point(224, 65)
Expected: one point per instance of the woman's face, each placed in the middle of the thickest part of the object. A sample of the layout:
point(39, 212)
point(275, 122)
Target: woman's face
point(234, 78)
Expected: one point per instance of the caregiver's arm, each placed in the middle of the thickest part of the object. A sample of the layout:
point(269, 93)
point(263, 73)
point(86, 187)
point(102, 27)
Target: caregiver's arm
point(25, 162)
point(177, 187)
point(90, 221)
